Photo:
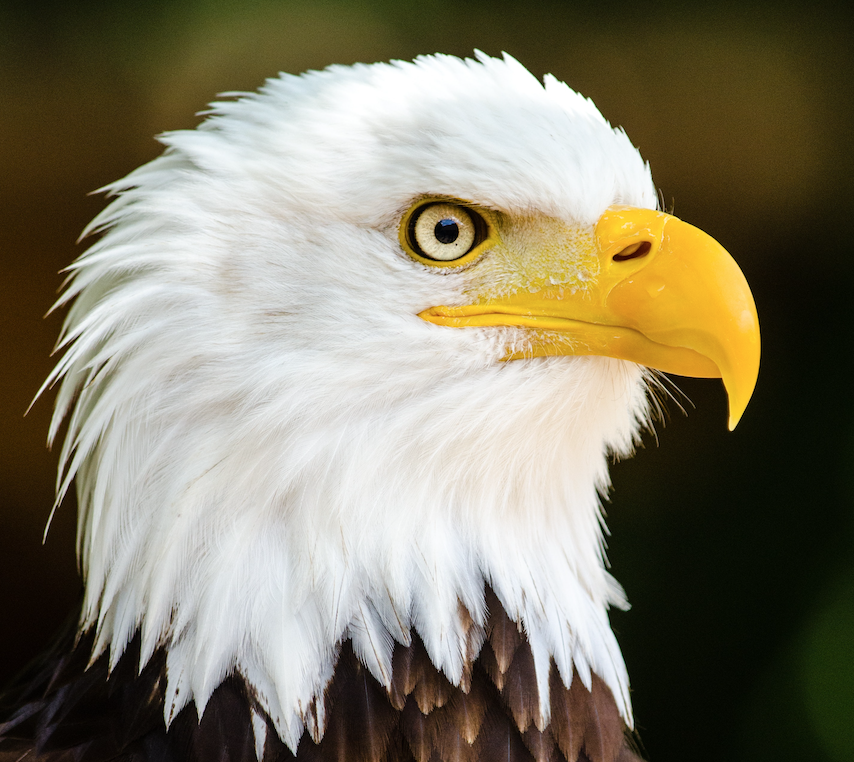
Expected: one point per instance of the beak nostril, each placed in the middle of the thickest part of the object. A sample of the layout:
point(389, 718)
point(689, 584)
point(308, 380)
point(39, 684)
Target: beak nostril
point(635, 251)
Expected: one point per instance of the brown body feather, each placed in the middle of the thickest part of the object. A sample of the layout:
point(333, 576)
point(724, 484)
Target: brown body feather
point(64, 712)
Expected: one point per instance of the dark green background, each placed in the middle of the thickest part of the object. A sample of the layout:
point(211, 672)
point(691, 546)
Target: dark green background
point(737, 550)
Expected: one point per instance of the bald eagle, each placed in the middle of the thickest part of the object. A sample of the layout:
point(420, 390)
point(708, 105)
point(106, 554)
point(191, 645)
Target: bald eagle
point(342, 377)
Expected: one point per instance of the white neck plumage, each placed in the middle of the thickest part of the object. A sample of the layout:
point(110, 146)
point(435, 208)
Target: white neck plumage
point(257, 548)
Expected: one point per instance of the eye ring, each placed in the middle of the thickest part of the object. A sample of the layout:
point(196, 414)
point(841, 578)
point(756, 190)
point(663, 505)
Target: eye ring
point(443, 233)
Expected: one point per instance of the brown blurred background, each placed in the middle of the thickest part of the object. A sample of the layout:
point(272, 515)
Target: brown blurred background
point(737, 550)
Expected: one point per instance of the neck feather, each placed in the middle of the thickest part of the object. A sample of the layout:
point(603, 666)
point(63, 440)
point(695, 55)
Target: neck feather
point(259, 549)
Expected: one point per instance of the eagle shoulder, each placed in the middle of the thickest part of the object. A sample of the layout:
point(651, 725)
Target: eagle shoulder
point(70, 710)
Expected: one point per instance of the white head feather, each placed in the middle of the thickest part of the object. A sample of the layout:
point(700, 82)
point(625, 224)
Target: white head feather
point(273, 453)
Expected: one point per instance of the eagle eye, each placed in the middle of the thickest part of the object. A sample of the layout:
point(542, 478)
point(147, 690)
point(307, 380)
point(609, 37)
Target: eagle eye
point(442, 233)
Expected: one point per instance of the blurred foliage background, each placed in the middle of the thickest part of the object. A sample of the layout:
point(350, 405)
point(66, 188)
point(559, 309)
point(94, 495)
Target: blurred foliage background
point(737, 550)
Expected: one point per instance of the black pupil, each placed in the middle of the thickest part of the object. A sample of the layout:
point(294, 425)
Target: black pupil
point(446, 231)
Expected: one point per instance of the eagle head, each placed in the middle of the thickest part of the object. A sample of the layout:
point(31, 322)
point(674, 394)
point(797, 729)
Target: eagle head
point(347, 365)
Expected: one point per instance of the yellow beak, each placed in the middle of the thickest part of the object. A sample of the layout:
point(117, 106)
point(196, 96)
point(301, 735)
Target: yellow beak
point(666, 295)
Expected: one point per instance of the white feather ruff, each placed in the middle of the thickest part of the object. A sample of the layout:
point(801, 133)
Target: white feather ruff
point(274, 453)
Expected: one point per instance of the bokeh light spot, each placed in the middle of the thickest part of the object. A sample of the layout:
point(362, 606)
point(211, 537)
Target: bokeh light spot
point(828, 673)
